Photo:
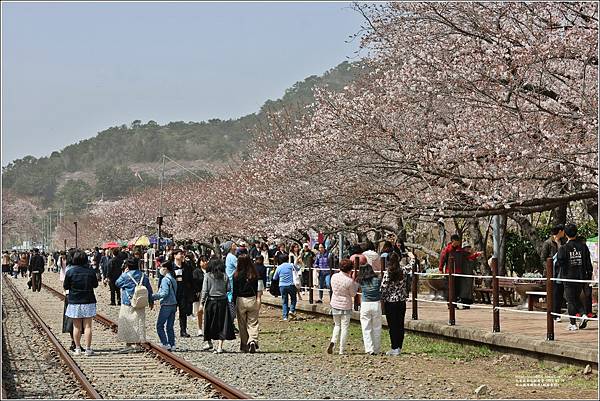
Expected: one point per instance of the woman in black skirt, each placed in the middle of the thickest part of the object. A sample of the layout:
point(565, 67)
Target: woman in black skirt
point(67, 323)
point(218, 322)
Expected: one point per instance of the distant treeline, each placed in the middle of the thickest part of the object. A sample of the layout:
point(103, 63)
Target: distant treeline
point(109, 153)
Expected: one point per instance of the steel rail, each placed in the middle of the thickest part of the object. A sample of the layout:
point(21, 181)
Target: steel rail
point(62, 352)
point(225, 389)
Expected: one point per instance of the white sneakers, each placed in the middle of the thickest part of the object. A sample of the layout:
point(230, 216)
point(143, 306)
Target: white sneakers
point(88, 352)
point(572, 327)
point(208, 346)
point(394, 352)
point(557, 319)
point(168, 347)
point(200, 333)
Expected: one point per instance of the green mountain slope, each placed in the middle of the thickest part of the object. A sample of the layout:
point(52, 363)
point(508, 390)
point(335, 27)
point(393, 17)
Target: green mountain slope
point(212, 140)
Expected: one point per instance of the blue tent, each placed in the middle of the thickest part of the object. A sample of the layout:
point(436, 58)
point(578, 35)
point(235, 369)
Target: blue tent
point(163, 241)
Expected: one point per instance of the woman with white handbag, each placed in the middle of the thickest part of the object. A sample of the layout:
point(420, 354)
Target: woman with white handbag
point(132, 316)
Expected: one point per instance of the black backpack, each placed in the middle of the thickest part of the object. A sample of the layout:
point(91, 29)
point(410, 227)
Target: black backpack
point(274, 288)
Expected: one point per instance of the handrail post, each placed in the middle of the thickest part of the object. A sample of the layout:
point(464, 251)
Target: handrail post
point(495, 303)
point(451, 295)
point(310, 283)
point(356, 297)
point(330, 276)
point(414, 286)
point(549, 306)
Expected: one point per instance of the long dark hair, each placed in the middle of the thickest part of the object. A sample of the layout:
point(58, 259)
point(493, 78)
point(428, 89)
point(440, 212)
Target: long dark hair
point(366, 274)
point(245, 268)
point(69, 257)
point(292, 249)
point(387, 247)
point(217, 268)
point(395, 272)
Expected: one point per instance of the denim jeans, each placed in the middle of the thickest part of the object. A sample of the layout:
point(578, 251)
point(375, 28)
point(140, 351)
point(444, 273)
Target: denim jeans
point(166, 315)
point(285, 291)
point(323, 281)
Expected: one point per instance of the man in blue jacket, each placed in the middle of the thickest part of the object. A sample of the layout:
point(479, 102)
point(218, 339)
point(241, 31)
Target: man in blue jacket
point(285, 275)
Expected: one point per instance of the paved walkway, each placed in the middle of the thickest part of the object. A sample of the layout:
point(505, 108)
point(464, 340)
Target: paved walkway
point(526, 331)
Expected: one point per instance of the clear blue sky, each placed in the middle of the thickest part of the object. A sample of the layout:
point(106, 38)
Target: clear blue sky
point(70, 70)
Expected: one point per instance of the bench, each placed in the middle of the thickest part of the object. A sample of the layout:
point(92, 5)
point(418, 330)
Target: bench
point(506, 290)
point(532, 295)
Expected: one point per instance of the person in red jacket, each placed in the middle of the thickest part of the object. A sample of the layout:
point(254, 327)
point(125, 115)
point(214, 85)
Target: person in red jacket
point(454, 250)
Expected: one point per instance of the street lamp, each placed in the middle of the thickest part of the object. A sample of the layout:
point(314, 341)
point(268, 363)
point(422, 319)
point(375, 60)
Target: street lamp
point(159, 221)
point(75, 233)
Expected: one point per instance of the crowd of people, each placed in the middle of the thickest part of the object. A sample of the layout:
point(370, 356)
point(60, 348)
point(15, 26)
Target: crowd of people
point(571, 260)
point(219, 289)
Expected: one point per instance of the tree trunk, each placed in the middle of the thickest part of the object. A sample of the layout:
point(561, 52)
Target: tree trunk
point(362, 237)
point(591, 206)
point(479, 244)
point(499, 235)
point(460, 228)
point(217, 247)
point(401, 231)
point(559, 214)
point(528, 230)
point(442, 233)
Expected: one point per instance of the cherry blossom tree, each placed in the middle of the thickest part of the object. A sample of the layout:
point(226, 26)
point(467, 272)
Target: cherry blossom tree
point(18, 219)
point(465, 110)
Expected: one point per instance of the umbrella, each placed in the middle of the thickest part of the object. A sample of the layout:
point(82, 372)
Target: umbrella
point(122, 243)
point(143, 241)
point(110, 245)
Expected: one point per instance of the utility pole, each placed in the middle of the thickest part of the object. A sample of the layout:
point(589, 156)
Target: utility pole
point(75, 223)
point(49, 230)
point(159, 219)
point(43, 233)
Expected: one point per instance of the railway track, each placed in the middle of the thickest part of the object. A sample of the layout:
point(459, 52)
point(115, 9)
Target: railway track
point(26, 353)
point(150, 373)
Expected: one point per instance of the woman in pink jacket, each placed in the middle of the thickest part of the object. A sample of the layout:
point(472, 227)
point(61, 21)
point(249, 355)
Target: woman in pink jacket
point(344, 289)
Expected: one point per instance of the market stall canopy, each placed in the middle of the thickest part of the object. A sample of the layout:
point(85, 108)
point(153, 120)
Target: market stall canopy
point(110, 245)
point(143, 241)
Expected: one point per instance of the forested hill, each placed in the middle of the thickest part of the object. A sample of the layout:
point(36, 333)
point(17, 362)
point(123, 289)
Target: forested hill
point(112, 150)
